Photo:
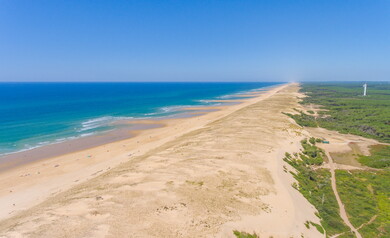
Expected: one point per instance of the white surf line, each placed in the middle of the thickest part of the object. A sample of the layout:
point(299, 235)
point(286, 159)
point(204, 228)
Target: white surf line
point(343, 213)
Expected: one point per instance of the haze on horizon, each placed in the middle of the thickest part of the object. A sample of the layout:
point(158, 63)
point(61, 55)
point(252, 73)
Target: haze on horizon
point(194, 40)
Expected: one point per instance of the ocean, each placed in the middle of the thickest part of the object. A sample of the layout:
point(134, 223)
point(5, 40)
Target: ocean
point(37, 114)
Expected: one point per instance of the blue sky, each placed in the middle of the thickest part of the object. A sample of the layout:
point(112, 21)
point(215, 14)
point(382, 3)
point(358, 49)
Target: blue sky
point(194, 40)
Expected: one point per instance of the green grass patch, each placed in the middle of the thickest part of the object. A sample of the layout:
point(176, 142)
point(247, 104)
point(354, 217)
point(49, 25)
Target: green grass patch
point(379, 158)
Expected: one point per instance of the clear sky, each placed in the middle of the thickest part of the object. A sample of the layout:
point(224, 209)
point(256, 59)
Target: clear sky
point(195, 40)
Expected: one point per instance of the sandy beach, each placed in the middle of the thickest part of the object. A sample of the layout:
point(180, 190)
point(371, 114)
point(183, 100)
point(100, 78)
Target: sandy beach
point(201, 176)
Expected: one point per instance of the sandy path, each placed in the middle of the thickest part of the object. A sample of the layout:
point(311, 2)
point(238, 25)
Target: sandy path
point(207, 182)
point(343, 213)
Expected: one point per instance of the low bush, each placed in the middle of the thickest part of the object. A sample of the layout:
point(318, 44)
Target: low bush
point(239, 234)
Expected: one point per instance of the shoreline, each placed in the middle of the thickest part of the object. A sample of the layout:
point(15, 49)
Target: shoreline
point(160, 113)
point(21, 158)
point(29, 184)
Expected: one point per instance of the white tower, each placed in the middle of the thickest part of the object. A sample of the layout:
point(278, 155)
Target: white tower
point(365, 89)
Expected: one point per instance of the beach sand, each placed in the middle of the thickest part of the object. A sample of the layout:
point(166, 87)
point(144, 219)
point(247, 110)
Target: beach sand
point(202, 176)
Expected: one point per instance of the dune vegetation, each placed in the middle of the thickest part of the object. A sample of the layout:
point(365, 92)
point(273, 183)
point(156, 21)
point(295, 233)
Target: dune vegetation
point(315, 186)
point(364, 193)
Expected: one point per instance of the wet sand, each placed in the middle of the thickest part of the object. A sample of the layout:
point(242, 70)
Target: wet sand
point(25, 157)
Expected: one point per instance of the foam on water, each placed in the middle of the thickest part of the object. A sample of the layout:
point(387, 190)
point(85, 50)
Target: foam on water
point(94, 123)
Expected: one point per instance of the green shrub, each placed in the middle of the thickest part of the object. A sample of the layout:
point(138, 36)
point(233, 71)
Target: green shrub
point(303, 119)
point(239, 234)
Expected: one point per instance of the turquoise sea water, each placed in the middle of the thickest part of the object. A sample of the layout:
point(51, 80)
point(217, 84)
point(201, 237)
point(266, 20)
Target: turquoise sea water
point(36, 114)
